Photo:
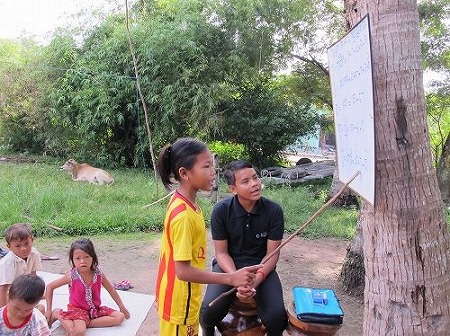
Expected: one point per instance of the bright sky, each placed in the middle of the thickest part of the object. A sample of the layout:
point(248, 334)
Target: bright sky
point(39, 17)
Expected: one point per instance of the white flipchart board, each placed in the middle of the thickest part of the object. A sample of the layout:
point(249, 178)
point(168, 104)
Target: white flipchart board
point(350, 64)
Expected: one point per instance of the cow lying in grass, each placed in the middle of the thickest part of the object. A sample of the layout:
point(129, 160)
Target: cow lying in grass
point(85, 172)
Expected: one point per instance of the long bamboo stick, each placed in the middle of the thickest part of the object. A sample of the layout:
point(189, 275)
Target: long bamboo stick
point(161, 199)
point(300, 229)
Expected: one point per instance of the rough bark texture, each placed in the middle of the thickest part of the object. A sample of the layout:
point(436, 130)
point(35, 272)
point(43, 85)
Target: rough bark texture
point(406, 243)
point(444, 171)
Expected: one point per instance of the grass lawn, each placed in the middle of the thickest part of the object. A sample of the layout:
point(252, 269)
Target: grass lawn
point(41, 194)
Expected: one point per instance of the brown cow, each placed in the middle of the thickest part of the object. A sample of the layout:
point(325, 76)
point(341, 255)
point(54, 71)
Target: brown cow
point(85, 172)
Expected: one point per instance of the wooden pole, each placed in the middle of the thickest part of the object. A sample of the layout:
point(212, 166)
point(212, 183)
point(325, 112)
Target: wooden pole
point(300, 229)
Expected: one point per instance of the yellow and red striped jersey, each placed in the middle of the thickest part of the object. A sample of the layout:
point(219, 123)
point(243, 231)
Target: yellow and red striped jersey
point(183, 239)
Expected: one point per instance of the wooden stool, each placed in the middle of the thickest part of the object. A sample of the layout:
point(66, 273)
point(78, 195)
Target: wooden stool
point(242, 320)
point(297, 327)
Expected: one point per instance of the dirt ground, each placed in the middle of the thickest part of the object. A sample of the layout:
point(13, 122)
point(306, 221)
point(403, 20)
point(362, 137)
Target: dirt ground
point(310, 263)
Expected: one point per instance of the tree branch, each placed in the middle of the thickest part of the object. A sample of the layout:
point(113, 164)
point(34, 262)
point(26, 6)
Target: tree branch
point(314, 62)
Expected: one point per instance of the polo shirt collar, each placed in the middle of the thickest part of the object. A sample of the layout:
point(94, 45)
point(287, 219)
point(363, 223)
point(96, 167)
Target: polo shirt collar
point(240, 211)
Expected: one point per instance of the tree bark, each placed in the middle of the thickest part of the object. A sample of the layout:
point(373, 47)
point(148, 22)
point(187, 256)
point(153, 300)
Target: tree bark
point(406, 242)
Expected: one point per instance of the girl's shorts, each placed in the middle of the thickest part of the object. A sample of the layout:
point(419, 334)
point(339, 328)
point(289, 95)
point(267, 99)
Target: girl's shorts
point(169, 329)
point(75, 313)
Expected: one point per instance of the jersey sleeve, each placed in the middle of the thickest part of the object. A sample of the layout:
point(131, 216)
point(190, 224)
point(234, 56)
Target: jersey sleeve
point(182, 239)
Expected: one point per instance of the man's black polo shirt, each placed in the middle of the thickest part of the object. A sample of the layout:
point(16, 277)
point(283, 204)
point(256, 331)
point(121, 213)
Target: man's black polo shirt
point(247, 232)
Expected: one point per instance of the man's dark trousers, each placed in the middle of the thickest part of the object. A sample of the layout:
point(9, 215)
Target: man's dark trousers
point(269, 301)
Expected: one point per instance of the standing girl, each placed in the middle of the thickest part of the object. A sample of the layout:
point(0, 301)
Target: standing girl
point(85, 281)
point(182, 263)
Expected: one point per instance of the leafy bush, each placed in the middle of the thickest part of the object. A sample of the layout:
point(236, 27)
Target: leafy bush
point(260, 117)
point(198, 80)
point(22, 89)
point(227, 151)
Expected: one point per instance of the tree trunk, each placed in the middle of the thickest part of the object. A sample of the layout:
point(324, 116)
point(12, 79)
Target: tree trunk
point(406, 242)
point(351, 278)
point(443, 171)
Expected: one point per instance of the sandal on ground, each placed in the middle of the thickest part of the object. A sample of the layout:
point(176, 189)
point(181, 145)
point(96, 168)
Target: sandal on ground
point(47, 257)
point(123, 285)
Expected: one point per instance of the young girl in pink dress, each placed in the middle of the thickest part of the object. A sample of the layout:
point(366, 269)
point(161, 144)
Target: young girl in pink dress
point(85, 281)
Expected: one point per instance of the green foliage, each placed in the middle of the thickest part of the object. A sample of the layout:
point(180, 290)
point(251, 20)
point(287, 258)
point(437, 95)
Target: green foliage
point(94, 110)
point(262, 119)
point(21, 90)
point(192, 58)
point(311, 83)
point(434, 19)
point(96, 113)
point(438, 114)
point(307, 43)
point(208, 69)
point(227, 151)
point(185, 60)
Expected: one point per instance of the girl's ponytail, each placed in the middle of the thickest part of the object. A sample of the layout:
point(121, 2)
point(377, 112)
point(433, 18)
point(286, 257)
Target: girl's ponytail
point(164, 166)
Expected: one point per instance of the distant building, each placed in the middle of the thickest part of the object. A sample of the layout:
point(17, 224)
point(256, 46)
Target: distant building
point(319, 142)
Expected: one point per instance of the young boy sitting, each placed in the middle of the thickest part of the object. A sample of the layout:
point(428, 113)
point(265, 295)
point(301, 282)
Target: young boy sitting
point(22, 257)
point(19, 316)
point(245, 229)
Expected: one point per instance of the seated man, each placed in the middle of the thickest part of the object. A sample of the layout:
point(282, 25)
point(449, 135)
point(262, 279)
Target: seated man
point(245, 228)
